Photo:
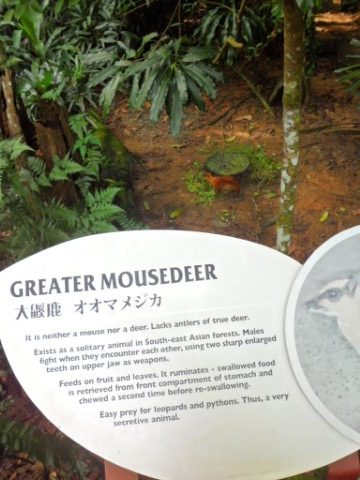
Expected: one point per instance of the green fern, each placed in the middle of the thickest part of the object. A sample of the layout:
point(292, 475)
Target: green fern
point(53, 451)
point(79, 125)
point(124, 222)
point(36, 220)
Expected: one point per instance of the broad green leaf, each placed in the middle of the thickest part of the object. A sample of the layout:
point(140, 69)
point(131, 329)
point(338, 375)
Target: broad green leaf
point(217, 20)
point(20, 8)
point(196, 54)
point(11, 62)
point(102, 75)
point(58, 6)
point(109, 92)
point(57, 31)
point(134, 92)
point(16, 38)
point(181, 85)
point(212, 73)
point(246, 30)
point(145, 88)
point(129, 52)
point(161, 88)
point(98, 57)
point(31, 19)
point(207, 20)
point(195, 95)
point(149, 62)
point(174, 108)
point(147, 38)
point(195, 72)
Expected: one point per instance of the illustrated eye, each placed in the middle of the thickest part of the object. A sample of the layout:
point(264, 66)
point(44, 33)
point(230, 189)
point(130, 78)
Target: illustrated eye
point(333, 294)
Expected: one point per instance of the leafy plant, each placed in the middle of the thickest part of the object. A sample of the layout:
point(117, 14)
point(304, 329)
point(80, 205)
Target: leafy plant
point(69, 71)
point(97, 56)
point(350, 74)
point(172, 75)
point(195, 183)
point(233, 27)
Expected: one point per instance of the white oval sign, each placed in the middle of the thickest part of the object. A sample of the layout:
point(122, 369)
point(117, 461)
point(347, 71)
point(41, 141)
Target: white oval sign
point(323, 331)
point(164, 352)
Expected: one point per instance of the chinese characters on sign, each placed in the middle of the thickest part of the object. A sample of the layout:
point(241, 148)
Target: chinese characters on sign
point(53, 309)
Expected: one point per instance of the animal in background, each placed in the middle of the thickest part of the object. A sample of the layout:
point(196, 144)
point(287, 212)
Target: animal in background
point(224, 182)
point(340, 298)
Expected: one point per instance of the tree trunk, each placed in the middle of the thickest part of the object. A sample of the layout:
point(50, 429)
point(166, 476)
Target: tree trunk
point(13, 120)
point(294, 46)
point(10, 125)
point(55, 138)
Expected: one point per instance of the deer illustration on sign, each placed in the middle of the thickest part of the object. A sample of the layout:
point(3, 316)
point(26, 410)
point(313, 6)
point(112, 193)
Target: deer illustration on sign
point(341, 298)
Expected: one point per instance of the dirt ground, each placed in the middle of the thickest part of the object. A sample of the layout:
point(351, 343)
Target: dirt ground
point(328, 199)
point(330, 151)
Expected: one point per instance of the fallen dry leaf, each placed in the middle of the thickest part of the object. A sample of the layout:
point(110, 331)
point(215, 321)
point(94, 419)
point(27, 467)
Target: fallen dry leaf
point(243, 117)
point(240, 134)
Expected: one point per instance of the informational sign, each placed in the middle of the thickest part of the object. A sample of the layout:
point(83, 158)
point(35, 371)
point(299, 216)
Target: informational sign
point(164, 352)
point(323, 331)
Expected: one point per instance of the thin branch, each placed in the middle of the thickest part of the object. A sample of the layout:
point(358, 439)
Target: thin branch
point(229, 113)
point(350, 126)
point(215, 61)
point(171, 20)
point(240, 11)
point(255, 90)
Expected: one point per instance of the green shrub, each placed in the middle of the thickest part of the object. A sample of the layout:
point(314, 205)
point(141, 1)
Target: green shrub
point(196, 183)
